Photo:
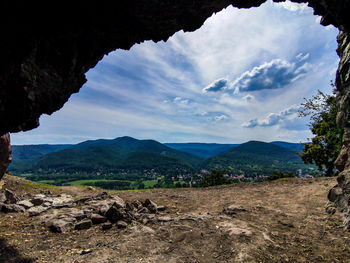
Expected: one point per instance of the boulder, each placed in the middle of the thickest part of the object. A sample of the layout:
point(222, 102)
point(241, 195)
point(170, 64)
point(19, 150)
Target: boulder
point(83, 200)
point(147, 230)
point(347, 223)
point(121, 224)
point(86, 251)
point(334, 194)
point(144, 221)
point(11, 197)
point(42, 196)
point(46, 204)
point(2, 197)
point(160, 207)
point(143, 210)
point(63, 205)
point(11, 208)
point(330, 209)
point(106, 226)
point(99, 207)
point(25, 203)
point(88, 212)
point(103, 209)
point(77, 214)
point(233, 209)
point(114, 214)
point(129, 216)
point(137, 204)
point(36, 210)
point(239, 231)
point(118, 202)
point(98, 219)
point(59, 225)
point(165, 219)
point(231, 229)
point(151, 206)
point(101, 196)
point(130, 207)
point(60, 201)
point(37, 201)
point(85, 224)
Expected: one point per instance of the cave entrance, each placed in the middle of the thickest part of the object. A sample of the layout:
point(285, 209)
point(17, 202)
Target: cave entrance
point(240, 77)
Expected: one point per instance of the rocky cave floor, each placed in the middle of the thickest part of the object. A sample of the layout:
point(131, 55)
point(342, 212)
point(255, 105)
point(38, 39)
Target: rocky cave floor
point(281, 221)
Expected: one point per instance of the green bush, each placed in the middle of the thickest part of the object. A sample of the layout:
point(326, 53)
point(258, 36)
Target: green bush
point(278, 175)
point(216, 177)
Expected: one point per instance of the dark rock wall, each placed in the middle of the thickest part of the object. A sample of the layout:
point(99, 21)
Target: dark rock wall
point(339, 195)
point(5, 153)
point(47, 47)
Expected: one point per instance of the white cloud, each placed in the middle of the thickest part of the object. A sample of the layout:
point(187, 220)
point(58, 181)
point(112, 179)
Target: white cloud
point(221, 117)
point(302, 56)
point(273, 118)
point(180, 100)
point(275, 74)
point(217, 85)
point(294, 7)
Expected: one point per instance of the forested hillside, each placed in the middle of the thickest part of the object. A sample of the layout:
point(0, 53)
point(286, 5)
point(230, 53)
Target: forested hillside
point(256, 158)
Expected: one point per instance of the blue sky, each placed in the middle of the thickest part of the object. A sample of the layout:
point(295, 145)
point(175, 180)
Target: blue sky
point(240, 77)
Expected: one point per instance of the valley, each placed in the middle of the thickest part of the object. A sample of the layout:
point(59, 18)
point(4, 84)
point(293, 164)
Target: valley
point(126, 163)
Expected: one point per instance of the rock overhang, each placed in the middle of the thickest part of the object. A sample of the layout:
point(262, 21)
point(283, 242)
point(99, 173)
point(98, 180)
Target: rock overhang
point(48, 46)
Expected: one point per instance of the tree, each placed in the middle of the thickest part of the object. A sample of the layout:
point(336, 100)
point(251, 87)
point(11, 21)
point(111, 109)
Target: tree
point(216, 177)
point(279, 175)
point(325, 146)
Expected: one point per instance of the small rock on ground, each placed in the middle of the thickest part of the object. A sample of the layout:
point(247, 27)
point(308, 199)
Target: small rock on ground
point(233, 209)
point(98, 219)
point(106, 226)
point(25, 203)
point(122, 224)
point(85, 224)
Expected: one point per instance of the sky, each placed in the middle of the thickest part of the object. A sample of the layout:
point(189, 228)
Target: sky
point(242, 76)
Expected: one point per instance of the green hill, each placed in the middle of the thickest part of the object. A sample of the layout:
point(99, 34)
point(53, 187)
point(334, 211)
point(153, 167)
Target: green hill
point(26, 152)
point(202, 150)
point(256, 158)
point(124, 153)
point(126, 157)
point(23, 154)
point(296, 147)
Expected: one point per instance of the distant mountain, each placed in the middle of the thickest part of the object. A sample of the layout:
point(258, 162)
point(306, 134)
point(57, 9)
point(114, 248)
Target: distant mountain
point(297, 147)
point(25, 152)
point(256, 158)
point(113, 155)
point(138, 156)
point(21, 154)
point(202, 150)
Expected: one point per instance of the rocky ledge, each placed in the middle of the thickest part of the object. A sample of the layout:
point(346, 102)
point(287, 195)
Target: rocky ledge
point(63, 212)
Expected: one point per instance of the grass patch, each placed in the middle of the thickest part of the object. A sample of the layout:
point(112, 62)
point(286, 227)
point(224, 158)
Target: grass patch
point(149, 183)
point(92, 182)
point(30, 186)
point(47, 181)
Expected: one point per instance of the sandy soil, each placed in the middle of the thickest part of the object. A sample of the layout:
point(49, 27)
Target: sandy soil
point(284, 221)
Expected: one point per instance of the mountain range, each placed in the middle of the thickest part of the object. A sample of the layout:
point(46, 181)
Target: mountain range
point(253, 157)
point(127, 154)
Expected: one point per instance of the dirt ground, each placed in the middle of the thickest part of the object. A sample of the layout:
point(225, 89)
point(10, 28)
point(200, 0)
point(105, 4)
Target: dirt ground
point(283, 221)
